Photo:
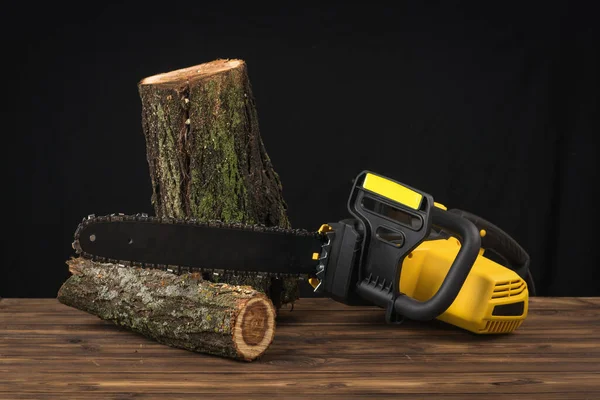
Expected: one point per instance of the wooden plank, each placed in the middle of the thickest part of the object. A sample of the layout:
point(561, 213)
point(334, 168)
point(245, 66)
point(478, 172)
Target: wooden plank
point(299, 332)
point(540, 319)
point(286, 364)
point(48, 350)
point(325, 304)
point(300, 394)
point(349, 346)
point(332, 383)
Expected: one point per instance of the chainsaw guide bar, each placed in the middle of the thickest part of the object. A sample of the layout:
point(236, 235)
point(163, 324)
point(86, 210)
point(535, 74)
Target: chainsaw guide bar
point(191, 245)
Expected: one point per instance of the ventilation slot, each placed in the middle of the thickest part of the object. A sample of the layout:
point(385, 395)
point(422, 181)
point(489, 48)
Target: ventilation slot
point(501, 326)
point(508, 288)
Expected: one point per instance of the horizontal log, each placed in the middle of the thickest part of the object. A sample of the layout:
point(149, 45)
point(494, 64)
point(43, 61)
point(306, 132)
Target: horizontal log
point(180, 311)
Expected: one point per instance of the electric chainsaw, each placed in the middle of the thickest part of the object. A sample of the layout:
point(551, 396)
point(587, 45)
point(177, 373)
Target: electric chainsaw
point(400, 251)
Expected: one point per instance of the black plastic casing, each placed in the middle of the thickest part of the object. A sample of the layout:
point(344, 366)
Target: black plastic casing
point(341, 275)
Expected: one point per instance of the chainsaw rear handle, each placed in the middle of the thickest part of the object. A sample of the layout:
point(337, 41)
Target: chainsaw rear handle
point(395, 219)
point(468, 235)
point(501, 243)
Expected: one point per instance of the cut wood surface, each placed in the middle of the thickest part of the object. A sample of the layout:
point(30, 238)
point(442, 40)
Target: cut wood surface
point(322, 349)
point(181, 311)
point(206, 156)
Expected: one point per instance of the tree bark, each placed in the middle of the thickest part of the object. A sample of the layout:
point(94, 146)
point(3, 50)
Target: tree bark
point(181, 311)
point(206, 156)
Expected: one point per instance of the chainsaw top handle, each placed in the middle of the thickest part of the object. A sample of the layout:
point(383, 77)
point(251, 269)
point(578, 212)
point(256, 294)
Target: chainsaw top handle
point(395, 219)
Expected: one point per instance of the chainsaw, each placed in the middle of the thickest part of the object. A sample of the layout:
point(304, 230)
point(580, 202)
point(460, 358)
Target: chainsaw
point(400, 251)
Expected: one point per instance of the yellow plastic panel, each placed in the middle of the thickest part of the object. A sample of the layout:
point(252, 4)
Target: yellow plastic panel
point(488, 285)
point(392, 190)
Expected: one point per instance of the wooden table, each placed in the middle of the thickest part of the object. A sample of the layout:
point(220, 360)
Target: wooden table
point(322, 349)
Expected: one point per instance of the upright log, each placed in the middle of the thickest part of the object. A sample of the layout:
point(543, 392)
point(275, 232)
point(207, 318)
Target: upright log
point(206, 156)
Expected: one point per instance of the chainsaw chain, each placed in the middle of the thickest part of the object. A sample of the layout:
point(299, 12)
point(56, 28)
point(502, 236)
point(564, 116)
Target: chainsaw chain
point(176, 269)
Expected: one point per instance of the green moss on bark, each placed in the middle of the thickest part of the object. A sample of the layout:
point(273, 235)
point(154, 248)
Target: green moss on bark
point(218, 186)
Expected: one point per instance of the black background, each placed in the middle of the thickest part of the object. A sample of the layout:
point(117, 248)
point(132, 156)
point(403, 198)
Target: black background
point(490, 109)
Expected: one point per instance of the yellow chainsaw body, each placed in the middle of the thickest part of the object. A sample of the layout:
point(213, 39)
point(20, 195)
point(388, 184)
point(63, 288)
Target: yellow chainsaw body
point(493, 299)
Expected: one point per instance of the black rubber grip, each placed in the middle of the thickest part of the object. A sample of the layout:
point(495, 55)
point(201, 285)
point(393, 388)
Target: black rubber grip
point(468, 235)
point(502, 244)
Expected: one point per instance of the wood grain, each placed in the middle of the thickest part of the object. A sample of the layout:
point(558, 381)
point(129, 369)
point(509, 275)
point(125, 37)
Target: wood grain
point(322, 349)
